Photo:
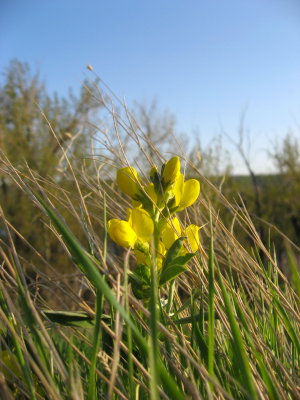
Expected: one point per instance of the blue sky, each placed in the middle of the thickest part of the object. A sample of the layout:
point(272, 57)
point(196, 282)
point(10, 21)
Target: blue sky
point(203, 60)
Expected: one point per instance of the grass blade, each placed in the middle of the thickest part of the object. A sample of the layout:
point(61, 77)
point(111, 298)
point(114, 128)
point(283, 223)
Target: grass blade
point(211, 307)
point(240, 354)
point(98, 281)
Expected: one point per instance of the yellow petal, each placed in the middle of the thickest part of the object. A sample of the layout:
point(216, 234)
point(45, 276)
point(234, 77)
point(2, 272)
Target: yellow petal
point(192, 234)
point(178, 189)
point(159, 262)
point(128, 181)
point(149, 189)
point(190, 193)
point(161, 251)
point(171, 232)
point(171, 170)
point(142, 224)
point(121, 232)
point(129, 216)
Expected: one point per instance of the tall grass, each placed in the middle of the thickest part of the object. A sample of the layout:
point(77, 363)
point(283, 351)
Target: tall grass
point(228, 328)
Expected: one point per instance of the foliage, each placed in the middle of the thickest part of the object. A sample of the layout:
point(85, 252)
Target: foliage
point(34, 127)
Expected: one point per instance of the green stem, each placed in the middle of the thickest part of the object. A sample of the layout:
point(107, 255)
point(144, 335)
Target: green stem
point(170, 297)
point(154, 348)
point(129, 336)
point(105, 227)
point(92, 390)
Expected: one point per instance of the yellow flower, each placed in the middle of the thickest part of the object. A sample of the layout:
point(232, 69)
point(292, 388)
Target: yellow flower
point(171, 232)
point(192, 234)
point(138, 228)
point(128, 181)
point(171, 170)
point(185, 193)
point(121, 232)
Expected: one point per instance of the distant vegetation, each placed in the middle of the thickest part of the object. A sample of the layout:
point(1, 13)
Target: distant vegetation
point(35, 126)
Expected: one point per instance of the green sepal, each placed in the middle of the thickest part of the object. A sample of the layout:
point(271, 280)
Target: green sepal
point(157, 182)
point(140, 280)
point(145, 201)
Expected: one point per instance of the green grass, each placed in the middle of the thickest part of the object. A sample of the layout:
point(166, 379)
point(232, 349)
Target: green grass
point(227, 328)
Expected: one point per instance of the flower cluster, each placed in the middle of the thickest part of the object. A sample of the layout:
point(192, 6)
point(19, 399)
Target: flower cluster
point(152, 228)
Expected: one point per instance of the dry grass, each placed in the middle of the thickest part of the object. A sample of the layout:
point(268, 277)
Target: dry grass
point(44, 358)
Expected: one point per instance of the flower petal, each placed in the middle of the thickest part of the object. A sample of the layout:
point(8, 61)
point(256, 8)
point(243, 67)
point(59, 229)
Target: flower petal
point(149, 189)
point(192, 234)
point(171, 232)
point(178, 189)
point(121, 232)
point(161, 251)
point(190, 193)
point(142, 224)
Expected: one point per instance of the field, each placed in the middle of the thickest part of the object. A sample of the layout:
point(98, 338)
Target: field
point(141, 307)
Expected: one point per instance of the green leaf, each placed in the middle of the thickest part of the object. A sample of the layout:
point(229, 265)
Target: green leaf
point(295, 275)
point(182, 260)
point(170, 272)
point(174, 266)
point(173, 251)
point(287, 321)
point(190, 319)
point(67, 318)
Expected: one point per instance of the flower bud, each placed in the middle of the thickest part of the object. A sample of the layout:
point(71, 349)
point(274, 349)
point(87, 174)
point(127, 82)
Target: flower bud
point(171, 170)
point(128, 181)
